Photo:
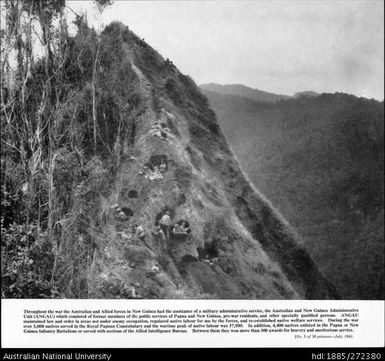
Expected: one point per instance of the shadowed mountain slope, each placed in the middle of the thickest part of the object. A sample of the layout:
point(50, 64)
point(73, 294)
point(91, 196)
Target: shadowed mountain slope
point(160, 149)
point(319, 160)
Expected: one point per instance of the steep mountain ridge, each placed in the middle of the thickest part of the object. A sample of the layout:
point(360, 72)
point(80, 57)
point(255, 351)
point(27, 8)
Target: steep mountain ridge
point(239, 246)
point(140, 195)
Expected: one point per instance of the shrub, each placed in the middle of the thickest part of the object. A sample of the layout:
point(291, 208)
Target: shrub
point(27, 263)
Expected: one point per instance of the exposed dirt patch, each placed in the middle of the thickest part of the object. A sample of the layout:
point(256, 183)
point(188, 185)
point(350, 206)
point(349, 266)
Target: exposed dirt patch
point(133, 194)
point(157, 160)
point(181, 199)
point(127, 211)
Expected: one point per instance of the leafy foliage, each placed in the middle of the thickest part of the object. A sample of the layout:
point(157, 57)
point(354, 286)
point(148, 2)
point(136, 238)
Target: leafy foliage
point(50, 176)
point(26, 263)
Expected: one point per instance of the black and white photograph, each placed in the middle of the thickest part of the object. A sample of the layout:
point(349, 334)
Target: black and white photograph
point(195, 150)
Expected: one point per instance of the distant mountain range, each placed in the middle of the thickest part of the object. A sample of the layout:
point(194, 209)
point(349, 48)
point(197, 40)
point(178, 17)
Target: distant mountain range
point(255, 94)
point(306, 94)
point(319, 159)
point(243, 91)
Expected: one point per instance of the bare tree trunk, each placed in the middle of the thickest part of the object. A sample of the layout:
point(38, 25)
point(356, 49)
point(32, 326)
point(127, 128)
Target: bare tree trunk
point(51, 169)
point(94, 115)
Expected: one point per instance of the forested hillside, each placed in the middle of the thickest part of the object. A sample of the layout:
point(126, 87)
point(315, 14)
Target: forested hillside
point(320, 161)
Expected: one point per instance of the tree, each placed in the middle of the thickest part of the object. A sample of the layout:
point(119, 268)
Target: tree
point(102, 4)
point(36, 105)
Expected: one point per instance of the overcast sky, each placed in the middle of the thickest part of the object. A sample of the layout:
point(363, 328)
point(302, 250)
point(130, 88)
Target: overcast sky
point(277, 46)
